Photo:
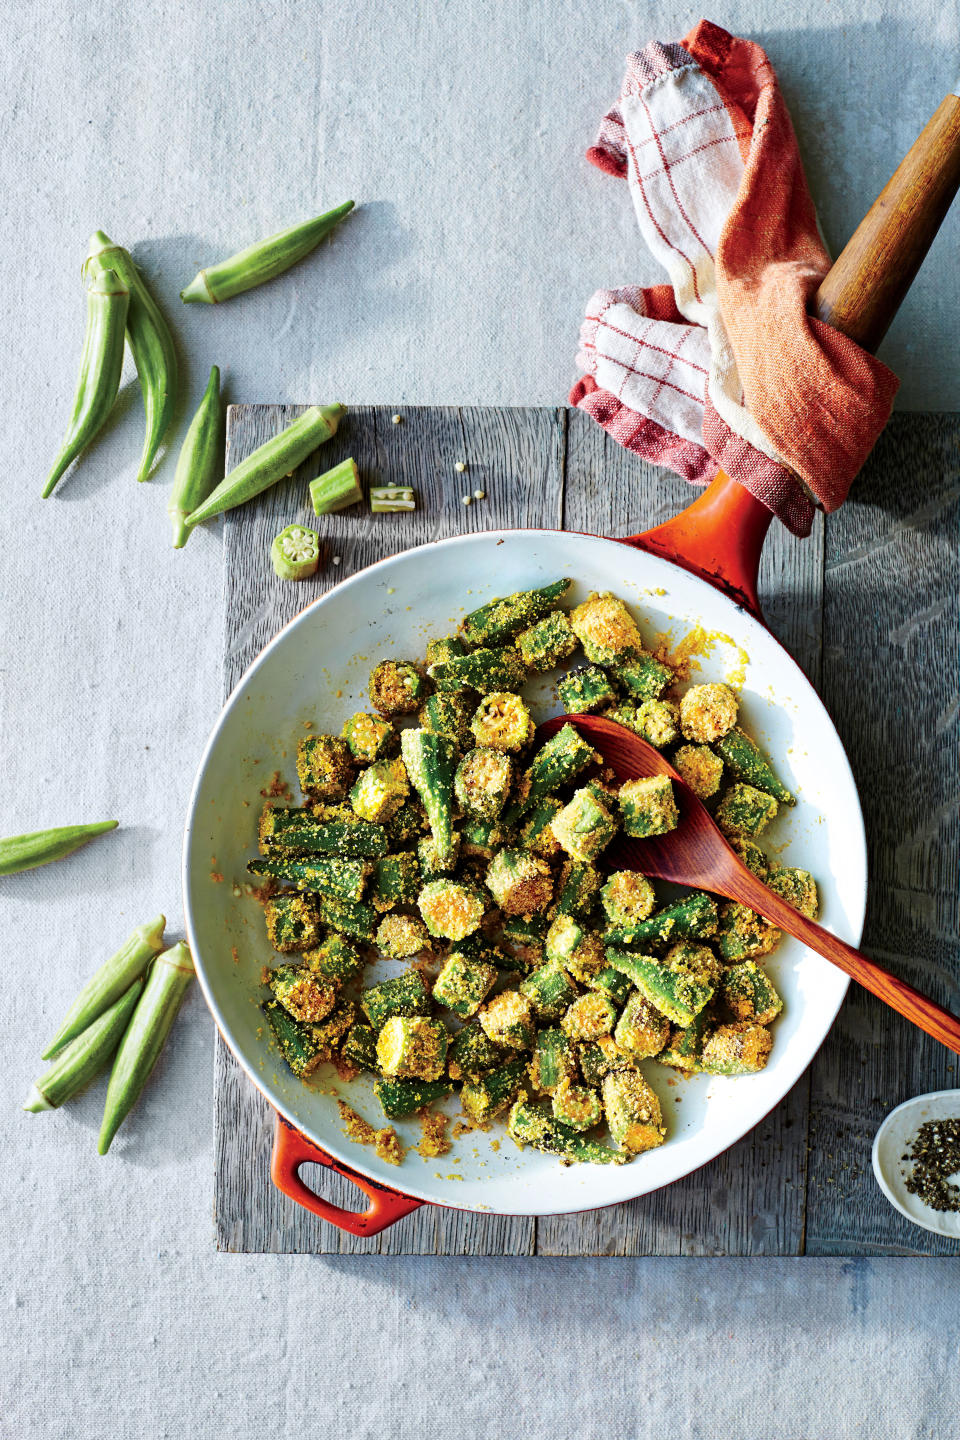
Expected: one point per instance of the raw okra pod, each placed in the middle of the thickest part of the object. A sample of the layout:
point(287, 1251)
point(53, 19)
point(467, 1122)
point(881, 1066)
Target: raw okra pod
point(101, 362)
point(199, 460)
point(263, 261)
point(84, 1057)
point(27, 852)
point(113, 979)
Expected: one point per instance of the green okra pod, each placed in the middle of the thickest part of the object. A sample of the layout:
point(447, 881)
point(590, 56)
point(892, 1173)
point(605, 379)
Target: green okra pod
point(140, 1047)
point(112, 980)
point(295, 553)
point(336, 489)
point(26, 852)
point(272, 461)
point(101, 362)
point(150, 341)
point(85, 1056)
point(261, 262)
point(199, 461)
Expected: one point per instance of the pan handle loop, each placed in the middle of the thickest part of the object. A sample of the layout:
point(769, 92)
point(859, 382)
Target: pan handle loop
point(718, 538)
point(291, 1149)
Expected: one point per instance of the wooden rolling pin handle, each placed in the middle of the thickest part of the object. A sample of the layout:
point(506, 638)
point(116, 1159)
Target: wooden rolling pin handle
point(867, 283)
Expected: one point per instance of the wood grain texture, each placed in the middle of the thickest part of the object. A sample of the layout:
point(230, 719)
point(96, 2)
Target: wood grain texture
point(868, 607)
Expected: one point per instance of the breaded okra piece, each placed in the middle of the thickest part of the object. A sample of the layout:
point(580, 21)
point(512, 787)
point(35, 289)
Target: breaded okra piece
point(685, 1045)
point(502, 721)
point(535, 832)
point(319, 874)
point(606, 630)
point(585, 825)
point(297, 1042)
point(380, 790)
point(577, 1106)
point(359, 1048)
point(521, 883)
point(451, 909)
point(747, 762)
point(324, 767)
point(707, 712)
point(463, 984)
point(330, 1032)
point(694, 917)
point(569, 943)
point(744, 810)
point(556, 763)
point(547, 644)
point(493, 1091)
point(300, 991)
point(368, 737)
point(578, 888)
point(526, 933)
point(740, 1049)
point(699, 768)
point(751, 855)
point(349, 917)
point(642, 1031)
point(481, 839)
point(397, 687)
point(337, 959)
point(482, 782)
point(798, 888)
point(530, 1124)
point(590, 1016)
point(324, 830)
point(445, 647)
point(678, 986)
point(612, 983)
point(448, 713)
point(481, 670)
point(404, 1097)
point(644, 678)
point(507, 1020)
point(749, 993)
point(627, 897)
point(431, 762)
point(554, 1060)
point(293, 922)
point(549, 991)
point(395, 880)
point(412, 1047)
point(597, 1058)
point(647, 806)
point(471, 1053)
point(633, 1111)
point(435, 864)
point(656, 721)
point(585, 690)
point(400, 936)
point(501, 619)
point(405, 995)
point(742, 934)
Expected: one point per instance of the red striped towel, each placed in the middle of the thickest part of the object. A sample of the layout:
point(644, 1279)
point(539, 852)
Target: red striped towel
point(722, 368)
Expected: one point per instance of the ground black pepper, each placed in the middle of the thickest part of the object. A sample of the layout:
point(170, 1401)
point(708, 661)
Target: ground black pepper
point(935, 1153)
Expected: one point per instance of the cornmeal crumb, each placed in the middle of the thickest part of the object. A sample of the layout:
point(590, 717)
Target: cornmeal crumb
point(434, 1142)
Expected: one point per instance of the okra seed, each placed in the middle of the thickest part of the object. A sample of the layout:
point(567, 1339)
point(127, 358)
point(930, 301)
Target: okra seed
point(397, 419)
point(479, 494)
point(336, 560)
point(467, 499)
point(460, 466)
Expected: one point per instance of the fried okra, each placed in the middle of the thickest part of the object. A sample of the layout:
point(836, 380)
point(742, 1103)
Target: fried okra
point(707, 712)
point(482, 782)
point(397, 687)
point(324, 767)
point(585, 826)
point(502, 722)
point(647, 806)
point(521, 884)
point(293, 922)
point(451, 910)
point(368, 737)
point(699, 768)
point(401, 936)
point(380, 790)
point(627, 897)
point(798, 888)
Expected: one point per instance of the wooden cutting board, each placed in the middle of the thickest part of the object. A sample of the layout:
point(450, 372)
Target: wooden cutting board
point(868, 607)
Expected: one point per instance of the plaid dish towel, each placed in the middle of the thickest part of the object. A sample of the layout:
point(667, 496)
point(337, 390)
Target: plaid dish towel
point(722, 368)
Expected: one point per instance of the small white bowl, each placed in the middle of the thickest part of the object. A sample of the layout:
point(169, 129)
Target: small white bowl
point(891, 1141)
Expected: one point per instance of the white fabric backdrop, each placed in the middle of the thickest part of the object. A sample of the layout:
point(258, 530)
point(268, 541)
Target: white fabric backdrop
point(186, 131)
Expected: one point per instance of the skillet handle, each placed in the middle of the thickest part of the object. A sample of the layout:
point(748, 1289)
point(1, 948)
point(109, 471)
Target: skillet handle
point(291, 1149)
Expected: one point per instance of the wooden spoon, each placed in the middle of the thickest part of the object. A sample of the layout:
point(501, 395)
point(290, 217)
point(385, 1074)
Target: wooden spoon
point(696, 854)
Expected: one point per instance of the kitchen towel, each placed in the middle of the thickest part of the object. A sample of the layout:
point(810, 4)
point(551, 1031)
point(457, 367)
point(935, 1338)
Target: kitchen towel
point(722, 368)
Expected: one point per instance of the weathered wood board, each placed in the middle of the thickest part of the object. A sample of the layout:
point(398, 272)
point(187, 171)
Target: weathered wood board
point(868, 606)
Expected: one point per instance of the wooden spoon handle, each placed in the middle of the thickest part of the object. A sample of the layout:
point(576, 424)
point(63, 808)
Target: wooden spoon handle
point(900, 996)
point(867, 283)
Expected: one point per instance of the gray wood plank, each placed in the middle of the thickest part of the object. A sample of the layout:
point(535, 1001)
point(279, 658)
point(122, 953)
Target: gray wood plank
point(517, 457)
point(749, 1201)
point(890, 681)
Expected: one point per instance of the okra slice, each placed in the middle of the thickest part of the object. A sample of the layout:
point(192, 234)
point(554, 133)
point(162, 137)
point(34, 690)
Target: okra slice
point(412, 1047)
point(501, 619)
point(580, 951)
point(707, 712)
point(502, 721)
point(548, 643)
point(395, 880)
point(336, 831)
point(606, 630)
point(451, 910)
point(536, 834)
point(656, 721)
point(694, 917)
point(397, 687)
point(585, 825)
point(471, 1053)
point(740, 1049)
point(553, 1061)
point(751, 855)
point(642, 1031)
point(401, 936)
point(331, 1031)
point(744, 810)
point(742, 934)
point(368, 737)
point(483, 838)
point(463, 984)
point(549, 991)
point(750, 994)
point(611, 982)
point(590, 1016)
point(798, 888)
point(297, 1042)
point(633, 1111)
point(493, 1091)
point(585, 690)
point(699, 768)
point(627, 897)
point(446, 647)
point(527, 932)
point(431, 762)
point(448, 713)
point(521, 883)
point(349, 917)
point(324, 767)
point(400, 1098)
point(435, 864)
point(408, 824)
point(405, 995)
point(337, 959)
point(530, 1124)
point(300, 991)
point(598, 1057)
point(360, 1048)
point(338, 879)
point(293, 922)
point(579, 886)
point(648, 807)
point(678, 990)
point(483, 781)
point(746, 761)
point(556, 763)
point(576, 1106)
point(380, 790)
point(482, 670)
point(643, 677)
point(685, 1045)
point(507, 1020)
